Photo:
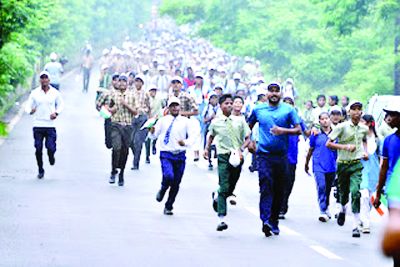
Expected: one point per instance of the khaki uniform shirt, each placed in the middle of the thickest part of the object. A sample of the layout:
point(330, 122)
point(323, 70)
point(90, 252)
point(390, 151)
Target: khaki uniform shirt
point(349, 134)
point(230, 132)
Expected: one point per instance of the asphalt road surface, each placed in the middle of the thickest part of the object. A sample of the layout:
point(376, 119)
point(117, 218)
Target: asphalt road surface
point(73, 217)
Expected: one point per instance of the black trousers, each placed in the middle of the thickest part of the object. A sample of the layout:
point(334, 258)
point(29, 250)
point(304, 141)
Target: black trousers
point(120, 139)
point(288, 187)
point(138, 138)
point(49, 135)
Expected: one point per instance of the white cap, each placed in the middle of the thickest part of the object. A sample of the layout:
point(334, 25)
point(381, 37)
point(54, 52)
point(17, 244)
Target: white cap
point(173, 100)
point(335, 108)
point(105, 51)
point(152, 86)
point(104, 66)
point(392, 107)
point(145, 68)
point(177, 78)
point(237, 76)
point(53, 56)
point(139, 76)
point(199, 74)
point(44, 72)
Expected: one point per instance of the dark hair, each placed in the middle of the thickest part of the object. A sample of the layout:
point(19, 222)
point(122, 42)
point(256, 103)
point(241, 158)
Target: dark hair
point(321, 96)
point(369, 118)
point(334, 98)
point(238, 97)
point(323, 113)
point(224, 97)
point(309, 101)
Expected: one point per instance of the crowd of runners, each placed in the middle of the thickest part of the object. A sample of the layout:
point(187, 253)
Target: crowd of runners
point(171, 93)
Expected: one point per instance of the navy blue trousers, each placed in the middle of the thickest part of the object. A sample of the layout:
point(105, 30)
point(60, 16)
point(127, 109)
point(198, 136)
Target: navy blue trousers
point(173, 167)
point(272, 170)
point(49, 135)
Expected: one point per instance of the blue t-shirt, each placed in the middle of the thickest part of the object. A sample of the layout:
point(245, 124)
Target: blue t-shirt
point(391, 151)
point(324, 159)
point(268, 116)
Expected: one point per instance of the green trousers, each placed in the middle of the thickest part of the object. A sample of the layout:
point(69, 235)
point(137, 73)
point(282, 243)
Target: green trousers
point(228, 177)
point(349, 180)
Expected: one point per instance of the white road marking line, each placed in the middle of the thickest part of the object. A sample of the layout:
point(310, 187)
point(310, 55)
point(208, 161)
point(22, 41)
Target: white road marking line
point(326, 253)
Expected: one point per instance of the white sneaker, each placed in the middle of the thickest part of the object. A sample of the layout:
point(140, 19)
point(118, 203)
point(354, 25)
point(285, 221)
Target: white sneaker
point(323, 217)
point(366, 230)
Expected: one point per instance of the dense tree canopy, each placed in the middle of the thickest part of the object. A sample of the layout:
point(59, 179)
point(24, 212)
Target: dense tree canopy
point(333, 47)
point(31, 29)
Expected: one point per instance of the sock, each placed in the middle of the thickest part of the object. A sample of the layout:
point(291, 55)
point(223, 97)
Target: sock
point(221, 218)
point(357, 220)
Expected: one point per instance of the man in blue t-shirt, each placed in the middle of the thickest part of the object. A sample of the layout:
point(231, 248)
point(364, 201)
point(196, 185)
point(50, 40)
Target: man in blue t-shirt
point(275, 121)
point(390, 151)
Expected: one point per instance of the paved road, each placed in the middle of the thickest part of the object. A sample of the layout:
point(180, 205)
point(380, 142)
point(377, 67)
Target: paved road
point(73, 217)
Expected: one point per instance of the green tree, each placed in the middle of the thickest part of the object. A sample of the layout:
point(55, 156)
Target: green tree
point(346, 16)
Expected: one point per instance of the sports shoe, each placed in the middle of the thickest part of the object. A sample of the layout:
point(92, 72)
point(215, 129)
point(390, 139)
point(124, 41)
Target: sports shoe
point(214, 197)
point(222, 226)
point(275, 229)
point(147, 160)
point(323, 217)
point(210, 167)
point(366, 230)
point(120, 179)
point(160, 195)
point(168, 212)
point(232, 200)
point(52, 160)
point(266, 228)
point(281, 216)
point(356, 232)
point(341, 218)
point(40, 174)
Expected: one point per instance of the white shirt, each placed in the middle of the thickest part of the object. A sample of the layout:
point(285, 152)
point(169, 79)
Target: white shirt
point(55, 70)
point(180, 130)
point(45, 104)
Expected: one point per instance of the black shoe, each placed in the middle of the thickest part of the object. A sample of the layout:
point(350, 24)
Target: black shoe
point(267, 229)
point(52, 160)
point(196, 159)
point(210, 167)
point(281, 216)
point(154, 150)
point(40, 174)
point(168, 212)
point(121, 180)
point(148, 160)
point(214, 197)
point(232, 200)
point(160, 195)
point(135, 168)
point(356, 232)
point(222, 226)
point(341, 218)
point(112, 179)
